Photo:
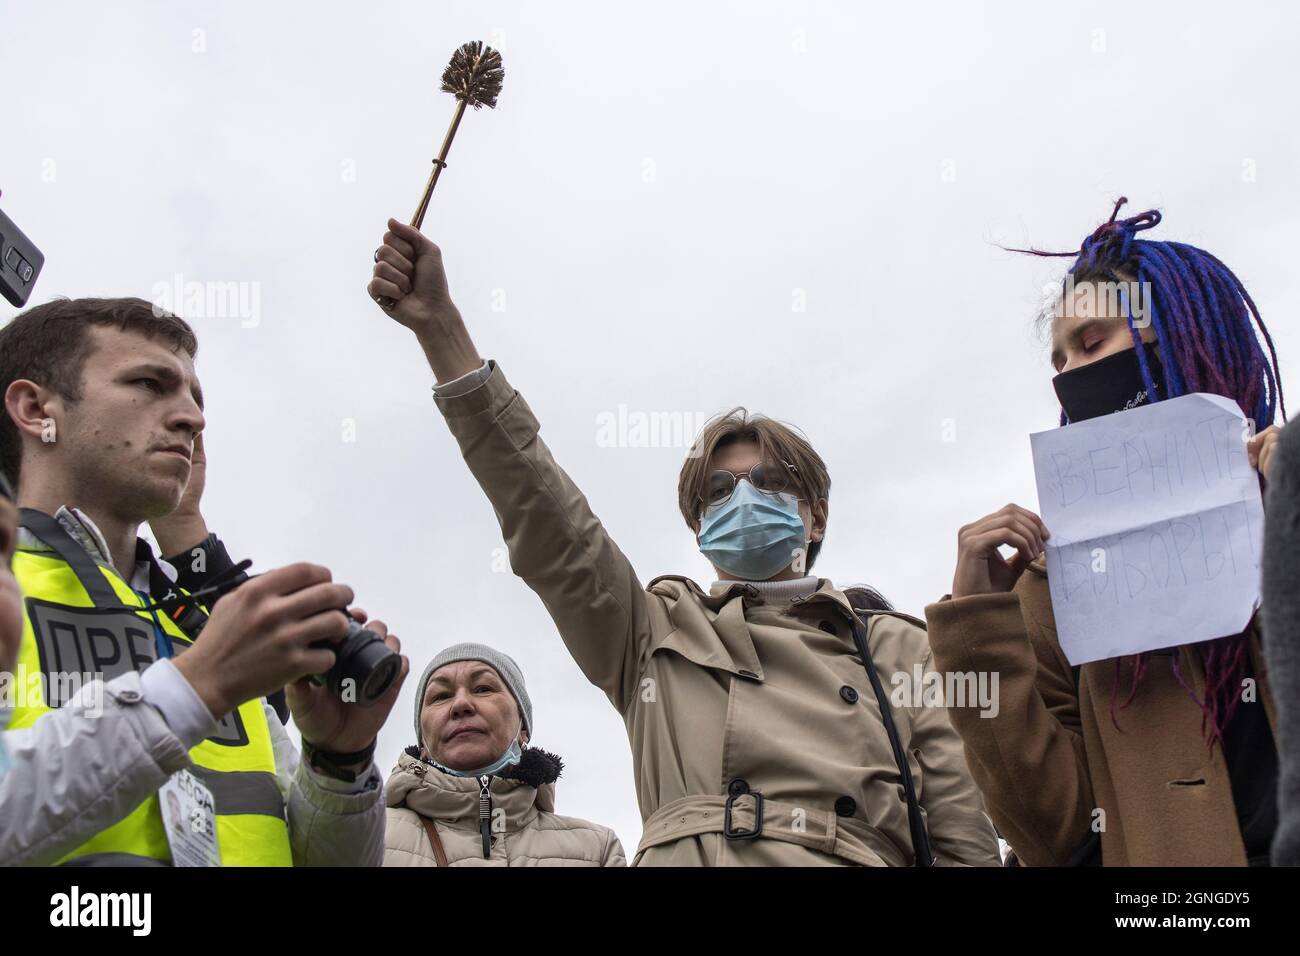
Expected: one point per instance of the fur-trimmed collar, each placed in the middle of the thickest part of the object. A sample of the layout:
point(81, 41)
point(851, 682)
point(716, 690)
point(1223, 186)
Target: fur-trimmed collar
point(521, 793)
point(535, 768)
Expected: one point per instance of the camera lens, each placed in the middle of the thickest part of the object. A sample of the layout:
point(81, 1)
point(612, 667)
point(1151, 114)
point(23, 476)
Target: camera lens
point(381, 667)
point(364, 666)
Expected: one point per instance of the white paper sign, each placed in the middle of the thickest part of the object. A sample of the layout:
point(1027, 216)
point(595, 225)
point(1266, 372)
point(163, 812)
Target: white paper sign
point(1156, 526)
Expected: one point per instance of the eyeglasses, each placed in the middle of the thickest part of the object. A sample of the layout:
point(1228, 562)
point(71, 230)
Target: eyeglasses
point(765, 477)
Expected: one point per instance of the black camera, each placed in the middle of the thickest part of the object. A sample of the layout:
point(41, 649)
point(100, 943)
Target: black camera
point(20, 262)
point(364, 666)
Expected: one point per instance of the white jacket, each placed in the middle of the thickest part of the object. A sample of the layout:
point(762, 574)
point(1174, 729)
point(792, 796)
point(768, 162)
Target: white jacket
point(526, 830)
point(73, 775)
point(77, 771)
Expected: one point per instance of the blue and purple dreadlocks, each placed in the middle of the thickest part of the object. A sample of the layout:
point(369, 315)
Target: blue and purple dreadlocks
point(1202, 318)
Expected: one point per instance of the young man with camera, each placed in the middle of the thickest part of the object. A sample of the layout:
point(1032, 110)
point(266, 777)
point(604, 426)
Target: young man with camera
point(102, 417)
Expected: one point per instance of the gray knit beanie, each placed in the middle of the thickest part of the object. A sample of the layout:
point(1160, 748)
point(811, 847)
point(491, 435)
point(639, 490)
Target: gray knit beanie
point(503, 664)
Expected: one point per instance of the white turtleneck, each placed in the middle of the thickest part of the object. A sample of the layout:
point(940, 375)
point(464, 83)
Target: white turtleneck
point(777, 591)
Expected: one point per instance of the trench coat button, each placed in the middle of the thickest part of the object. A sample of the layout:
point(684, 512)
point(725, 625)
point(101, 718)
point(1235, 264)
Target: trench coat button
point(849, 694)
point(846, 807)
point(827, 626)
point(737, 787)
point(129, 696)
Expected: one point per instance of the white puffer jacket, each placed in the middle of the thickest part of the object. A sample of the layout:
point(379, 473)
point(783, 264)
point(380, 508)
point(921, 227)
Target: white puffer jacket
point(525, 831)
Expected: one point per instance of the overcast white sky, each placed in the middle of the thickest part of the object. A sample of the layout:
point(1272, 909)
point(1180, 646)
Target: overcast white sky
point(661, 187)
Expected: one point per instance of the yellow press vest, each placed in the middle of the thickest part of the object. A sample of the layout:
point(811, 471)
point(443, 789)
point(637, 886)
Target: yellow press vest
point(84, 622)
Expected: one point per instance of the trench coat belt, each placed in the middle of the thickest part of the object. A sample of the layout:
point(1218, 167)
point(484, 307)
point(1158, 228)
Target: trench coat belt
point(821, 830)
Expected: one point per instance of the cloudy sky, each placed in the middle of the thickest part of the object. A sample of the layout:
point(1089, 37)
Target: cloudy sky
point(676, 208)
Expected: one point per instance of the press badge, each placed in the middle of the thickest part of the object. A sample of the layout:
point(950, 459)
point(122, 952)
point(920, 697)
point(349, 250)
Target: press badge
point(190, 820)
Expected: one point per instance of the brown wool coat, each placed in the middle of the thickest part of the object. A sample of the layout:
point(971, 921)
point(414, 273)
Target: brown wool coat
point(1052, 756)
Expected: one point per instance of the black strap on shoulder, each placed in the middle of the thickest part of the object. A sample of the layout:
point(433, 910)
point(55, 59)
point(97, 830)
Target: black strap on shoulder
point(55, 536)
point(1089, 853)
point(921, 854)
point(167, 597)
point(161, 588)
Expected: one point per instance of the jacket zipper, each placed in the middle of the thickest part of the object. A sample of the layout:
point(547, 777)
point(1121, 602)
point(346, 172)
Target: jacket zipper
point(485, 815)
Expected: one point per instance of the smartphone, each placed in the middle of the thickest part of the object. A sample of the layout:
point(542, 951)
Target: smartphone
point(20, 262)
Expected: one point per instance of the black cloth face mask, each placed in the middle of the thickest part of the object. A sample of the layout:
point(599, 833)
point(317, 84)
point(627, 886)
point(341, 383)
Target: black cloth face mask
point(1112, 384)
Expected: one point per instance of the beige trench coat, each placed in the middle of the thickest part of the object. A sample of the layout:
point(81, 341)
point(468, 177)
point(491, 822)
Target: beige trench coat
point(721, 693)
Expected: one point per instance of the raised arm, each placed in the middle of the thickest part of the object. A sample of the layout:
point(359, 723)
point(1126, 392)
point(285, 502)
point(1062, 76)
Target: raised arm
point(556, 544)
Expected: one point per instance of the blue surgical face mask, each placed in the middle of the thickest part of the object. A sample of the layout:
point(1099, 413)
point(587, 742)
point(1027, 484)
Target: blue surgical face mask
point(514, 753)
point(752, 535)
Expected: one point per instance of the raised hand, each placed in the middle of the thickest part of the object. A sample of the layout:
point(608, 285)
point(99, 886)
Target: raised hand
point(184, 528)
point(981, 569)
point(409, 284)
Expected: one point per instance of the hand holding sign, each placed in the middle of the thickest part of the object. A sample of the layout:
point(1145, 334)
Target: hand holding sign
point(981, 568)
point(1157, 526)
point(1260, 449)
